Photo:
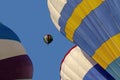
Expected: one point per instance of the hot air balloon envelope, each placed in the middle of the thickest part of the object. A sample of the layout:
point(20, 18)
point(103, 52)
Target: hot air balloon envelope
point(94, 25)
point(15, 64)
point(77, 65)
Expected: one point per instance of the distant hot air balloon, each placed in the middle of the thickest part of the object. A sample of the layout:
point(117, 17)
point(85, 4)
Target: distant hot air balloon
point(94, 25)
point(77, 65)
point(14, 62)
point(48, 38)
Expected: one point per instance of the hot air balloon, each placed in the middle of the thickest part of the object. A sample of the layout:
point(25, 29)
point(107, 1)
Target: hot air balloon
point(48, 38)
point(77, 65)
point(15, 64)
point(94, 25)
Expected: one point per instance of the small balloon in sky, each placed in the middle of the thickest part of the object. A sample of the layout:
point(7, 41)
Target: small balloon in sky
point(48, 38)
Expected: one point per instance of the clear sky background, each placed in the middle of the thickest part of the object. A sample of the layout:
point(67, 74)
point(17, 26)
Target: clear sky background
point(30, 20)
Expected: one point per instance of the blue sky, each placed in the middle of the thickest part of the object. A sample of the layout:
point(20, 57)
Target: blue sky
point(30, 20)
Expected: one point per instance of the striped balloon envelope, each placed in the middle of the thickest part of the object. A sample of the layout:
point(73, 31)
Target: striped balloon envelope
point(94, 25)
point(14, 62)
point(77, 65)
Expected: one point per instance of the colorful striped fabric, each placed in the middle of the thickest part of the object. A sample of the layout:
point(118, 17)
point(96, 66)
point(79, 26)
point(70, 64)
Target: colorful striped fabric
point(94, 25)
point(77, 65)
point(15, 64)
